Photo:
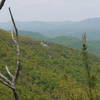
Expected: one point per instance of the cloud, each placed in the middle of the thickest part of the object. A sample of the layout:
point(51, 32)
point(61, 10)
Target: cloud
point(51, 9)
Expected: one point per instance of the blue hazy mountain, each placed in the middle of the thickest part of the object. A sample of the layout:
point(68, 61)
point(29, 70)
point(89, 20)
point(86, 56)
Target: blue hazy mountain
point(33, 35)
point(54, 29)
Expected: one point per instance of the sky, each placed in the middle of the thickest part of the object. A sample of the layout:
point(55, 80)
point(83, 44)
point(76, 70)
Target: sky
point(50, 10)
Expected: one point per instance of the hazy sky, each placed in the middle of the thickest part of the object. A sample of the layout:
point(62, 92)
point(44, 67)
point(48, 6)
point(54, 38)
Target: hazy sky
point(51, 10)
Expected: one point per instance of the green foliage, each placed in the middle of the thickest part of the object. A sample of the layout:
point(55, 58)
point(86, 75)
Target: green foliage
point(93, 45)
point(53, 73)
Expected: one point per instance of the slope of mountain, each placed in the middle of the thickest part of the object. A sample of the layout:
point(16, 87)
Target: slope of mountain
point(53, 29)
point(33, 35)
point(94, 45)
point(67, 41)
point(48, 73)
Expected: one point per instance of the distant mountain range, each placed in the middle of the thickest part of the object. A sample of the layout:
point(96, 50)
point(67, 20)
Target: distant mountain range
point(33, 35)
point(54, 29)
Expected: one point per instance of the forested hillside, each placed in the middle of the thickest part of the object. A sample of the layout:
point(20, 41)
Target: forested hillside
point(51, 72)
point(69, 41)
point(93, 45)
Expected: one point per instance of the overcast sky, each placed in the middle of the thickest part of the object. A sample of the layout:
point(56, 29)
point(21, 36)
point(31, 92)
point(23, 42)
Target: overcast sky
point(51, 10)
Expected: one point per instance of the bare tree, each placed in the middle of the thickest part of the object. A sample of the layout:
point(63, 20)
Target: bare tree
point(11, 83)
point(2, 3)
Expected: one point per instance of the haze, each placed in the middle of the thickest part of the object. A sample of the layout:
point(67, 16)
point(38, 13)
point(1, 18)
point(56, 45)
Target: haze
point(51, 10)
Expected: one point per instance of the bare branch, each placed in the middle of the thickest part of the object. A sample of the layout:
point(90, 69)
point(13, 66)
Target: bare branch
point(9, 72)
point(12, 34)
point(2, 4)
point(5, 78)
point(6, 84)
point(16, 41)
point(16, 30)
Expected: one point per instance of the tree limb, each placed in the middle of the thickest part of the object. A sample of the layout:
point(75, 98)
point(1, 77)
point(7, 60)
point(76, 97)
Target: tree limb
point(2, 4)
point(9, 72)
point(5, 78)
point(6, 84)
point(16, 41)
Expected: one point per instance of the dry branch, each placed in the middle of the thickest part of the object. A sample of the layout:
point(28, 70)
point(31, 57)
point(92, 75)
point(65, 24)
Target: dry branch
point(2, 4)
point(9, 72)
point(16, 41)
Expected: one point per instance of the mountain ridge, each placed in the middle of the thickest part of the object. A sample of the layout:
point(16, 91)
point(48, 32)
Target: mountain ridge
point(53, 29)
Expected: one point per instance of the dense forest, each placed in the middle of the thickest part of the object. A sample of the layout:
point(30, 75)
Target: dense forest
point(51, 72)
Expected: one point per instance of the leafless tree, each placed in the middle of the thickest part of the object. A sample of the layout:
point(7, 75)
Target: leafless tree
point(11, 83)
point(2, 3)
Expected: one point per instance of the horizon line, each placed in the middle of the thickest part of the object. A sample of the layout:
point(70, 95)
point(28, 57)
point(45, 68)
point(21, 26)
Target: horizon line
point(51, 20)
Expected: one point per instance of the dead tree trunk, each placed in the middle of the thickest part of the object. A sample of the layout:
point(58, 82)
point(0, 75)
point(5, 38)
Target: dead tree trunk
point(11, 83)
